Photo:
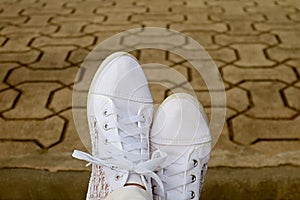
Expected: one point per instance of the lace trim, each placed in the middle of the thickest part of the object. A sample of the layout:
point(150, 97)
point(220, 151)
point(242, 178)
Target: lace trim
point(98, 187)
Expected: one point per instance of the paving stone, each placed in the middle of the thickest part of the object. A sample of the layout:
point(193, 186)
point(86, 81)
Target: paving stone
point(236, 74)
point(223, 54)
point(265, 153)
point(46, 132)
point(194, 53)
point(17, 43)
point(276, 26)
point(23, 74)
point(196, 14)
point(84, 78)
point(195, 3)
point(166, 76)
point(281, 148)
point(125, 3)
point(292, 95)
point(32, 101)
point(252, 55)
point(2, 40)
point(240, 27)
point(77, 56)
point(159, 6)
point(88, 7)
point(17, 149)
point(154, 23)
point(4, 68)
point(204, 98)
point(218, 27)
point(295, 17)
point(273, 12)
point(158, 92)
point(60, 54)
point(197, 82)
point(289, 3)
point(237, 17)
point(73, 26)
point(148, 56)
point(71, 29)
point(164, 41)
point(289, 39)
point(296, 64)
point(280, 54)
point(28, 30)
point(25, 57)
point(13, 20)
point(264, 38)
point(237, 99)
point(157, 17)
point(71, 138)
point(109, 10)
point(108, 29)
point(261, 93)
point(61, 100)
point(108, 43)
point(38, 20)
point(13, 9)
point(182, 69)
point(194, 10)
point(204, 38)
point(7, 98)
point(76, 41)
point(55, 7)
point(232, 7)
point(70, 19)
point(118, 18)
point(248, 130)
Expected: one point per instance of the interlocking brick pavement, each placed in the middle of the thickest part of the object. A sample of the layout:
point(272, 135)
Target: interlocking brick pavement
point(255, 45)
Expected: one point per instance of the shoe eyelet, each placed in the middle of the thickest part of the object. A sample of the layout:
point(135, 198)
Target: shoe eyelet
point(144, 119)
point(105, 127)
point(105, 113)
point(195, 162)
point(106, 141)
point(118, 177)
point(194, 178)
point(192, 194)
point(113, 167)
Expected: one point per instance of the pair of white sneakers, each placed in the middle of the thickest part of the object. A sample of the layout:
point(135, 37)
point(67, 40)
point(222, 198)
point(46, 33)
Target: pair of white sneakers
point(167, 156)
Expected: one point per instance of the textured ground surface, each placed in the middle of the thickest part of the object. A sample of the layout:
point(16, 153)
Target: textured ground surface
point(255, 45)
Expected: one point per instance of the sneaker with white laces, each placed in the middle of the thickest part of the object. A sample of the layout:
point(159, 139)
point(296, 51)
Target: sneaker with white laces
point(119, 110)
point(180, 129)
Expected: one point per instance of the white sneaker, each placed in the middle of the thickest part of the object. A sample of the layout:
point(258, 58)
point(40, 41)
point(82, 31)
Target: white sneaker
point(119, 110)
point(180, 129)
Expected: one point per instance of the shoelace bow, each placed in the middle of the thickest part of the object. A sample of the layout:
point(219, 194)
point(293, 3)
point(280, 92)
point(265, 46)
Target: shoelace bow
point(126, 161)
point(177, 168)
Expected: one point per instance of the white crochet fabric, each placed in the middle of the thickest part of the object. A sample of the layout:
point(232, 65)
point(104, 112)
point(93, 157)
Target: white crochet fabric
point(98, 187)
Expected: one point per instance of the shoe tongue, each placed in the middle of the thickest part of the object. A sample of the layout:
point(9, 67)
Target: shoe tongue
point(127, 108)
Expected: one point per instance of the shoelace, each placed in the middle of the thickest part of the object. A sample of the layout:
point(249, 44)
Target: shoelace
point(121, 160)
point(178, 170)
